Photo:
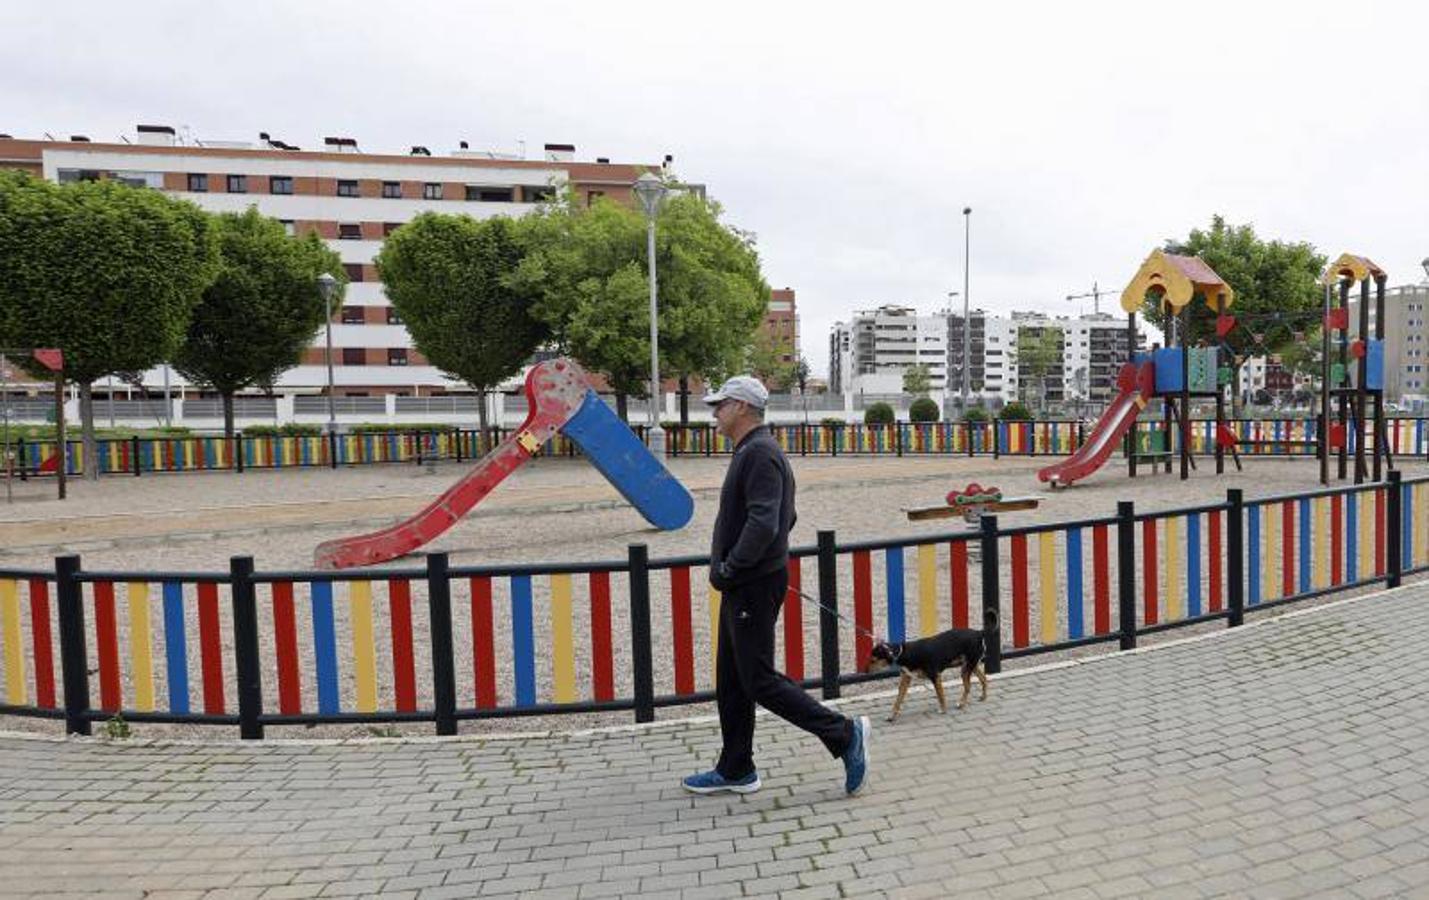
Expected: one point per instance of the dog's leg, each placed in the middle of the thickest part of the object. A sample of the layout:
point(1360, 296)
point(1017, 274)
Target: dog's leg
point(903, 681)
point(982, 681)
point(938, 689)
point(967, 686)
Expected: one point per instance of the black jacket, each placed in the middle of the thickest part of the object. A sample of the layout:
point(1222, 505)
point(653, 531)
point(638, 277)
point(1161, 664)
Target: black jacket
point(756, 511)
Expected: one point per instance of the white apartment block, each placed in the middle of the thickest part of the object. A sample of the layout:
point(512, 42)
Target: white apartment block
point(870, 353)
point(1093, 349)
point(353, 200)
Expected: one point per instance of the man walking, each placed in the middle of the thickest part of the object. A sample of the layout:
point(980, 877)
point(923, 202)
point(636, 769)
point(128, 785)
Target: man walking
point(749, 557)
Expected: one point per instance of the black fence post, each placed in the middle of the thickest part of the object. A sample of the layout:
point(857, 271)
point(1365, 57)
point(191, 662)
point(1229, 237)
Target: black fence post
point(1235, 557)
point(238, 451)
point(1394, 512)
point(898, 437)
point(991, 594)
point(828, 620)
point(74, 656)
point(996, 439)
point(968, 425)
point(1126, 572)
point(640, 651)
point(332, 448)
point(245, 647)
point(439, 607)
point(134, 454)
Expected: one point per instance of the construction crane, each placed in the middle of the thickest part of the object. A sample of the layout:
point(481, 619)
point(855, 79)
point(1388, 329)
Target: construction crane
point(1096, 295)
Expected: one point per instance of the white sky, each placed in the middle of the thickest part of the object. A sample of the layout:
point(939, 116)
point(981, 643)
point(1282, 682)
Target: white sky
point(849, 138)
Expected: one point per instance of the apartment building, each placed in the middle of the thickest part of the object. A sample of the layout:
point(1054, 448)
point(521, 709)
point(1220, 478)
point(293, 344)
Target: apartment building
point(781, 323)
point(870, 353)
point(353, 199)
point(1406, 343)
point(1091, 350)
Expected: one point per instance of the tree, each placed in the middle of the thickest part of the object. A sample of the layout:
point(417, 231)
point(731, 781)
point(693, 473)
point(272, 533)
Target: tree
point(712, 293)
point(765, 361)
point(584, 269)
point(1038, 350)
point(879, 413)
point(1270, 278)
point(106, 272)
point(917, 380)
point(582, 262)
point(261, 311)
point(452, 280)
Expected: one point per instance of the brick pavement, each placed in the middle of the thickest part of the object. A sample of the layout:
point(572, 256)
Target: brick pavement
point(1285, 759)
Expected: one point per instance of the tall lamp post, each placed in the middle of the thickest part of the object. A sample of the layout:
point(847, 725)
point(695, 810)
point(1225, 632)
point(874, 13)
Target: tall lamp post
point(651, 191)
point(328, 286)
point(967, 331)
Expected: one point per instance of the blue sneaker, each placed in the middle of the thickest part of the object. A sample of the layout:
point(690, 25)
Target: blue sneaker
point(856, 757)
point(712, 782)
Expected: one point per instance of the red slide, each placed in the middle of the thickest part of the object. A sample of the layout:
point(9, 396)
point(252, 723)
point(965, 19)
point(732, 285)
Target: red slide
point(1136, 385)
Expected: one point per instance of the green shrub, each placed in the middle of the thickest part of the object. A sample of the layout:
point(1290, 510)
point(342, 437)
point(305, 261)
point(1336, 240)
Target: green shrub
point(1015, 411)
point(924, 409)
point(879, 414)
point(832, 421)
point(289, 429)
point(975, 414)
point(402, 428)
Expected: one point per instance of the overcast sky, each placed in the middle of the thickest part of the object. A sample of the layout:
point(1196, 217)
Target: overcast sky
point(848, 138)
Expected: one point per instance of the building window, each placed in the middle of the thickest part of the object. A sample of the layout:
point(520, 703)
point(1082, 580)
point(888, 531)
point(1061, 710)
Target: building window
point(592, 196)
point(389, 227)
point(280, 184)
point(289, 226)
point(354, 272)
point(353, 315)
point(347, 188)
point(392, 317)
point(490, 194)
point(540, 194)
point(198, 183)
point(432, 190)
point(354, 356)
point(238, 184)
point(397, 356)
point(349, 231)
point(392, 190)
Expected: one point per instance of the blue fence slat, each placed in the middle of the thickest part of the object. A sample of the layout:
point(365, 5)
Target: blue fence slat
point(523, 640)
point(1305, 544)
point(1253, 521)
point(893, 569)
point(1074, 583)
point(325, 647)
point(176, 648)
point(1193, 565)
point(1352, 537)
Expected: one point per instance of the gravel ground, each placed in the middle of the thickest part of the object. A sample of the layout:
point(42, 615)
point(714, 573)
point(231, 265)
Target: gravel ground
point(559, 510)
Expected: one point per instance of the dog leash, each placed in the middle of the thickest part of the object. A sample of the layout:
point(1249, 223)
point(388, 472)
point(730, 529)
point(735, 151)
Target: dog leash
point(850, 622)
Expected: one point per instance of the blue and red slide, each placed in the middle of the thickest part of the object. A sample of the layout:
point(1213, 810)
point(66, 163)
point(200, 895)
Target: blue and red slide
point(560, 400)
point(1136, 384)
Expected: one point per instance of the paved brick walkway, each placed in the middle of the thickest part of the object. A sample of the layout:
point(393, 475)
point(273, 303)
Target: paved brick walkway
point(1286, 759)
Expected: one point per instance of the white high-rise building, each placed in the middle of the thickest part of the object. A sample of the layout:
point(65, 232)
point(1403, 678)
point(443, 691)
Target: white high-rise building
point(871, 352)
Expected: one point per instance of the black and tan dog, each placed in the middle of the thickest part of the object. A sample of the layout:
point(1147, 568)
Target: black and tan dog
point(931, 656)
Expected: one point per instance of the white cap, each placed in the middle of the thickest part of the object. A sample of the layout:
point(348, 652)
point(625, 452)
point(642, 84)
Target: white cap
point(742, 388)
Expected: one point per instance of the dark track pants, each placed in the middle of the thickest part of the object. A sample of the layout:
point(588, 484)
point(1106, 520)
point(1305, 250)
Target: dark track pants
point(746, 675)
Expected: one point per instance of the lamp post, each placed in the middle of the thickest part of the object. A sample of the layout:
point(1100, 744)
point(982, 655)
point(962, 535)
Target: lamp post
point(651, 191)
point(328, 286)
point(967, 331)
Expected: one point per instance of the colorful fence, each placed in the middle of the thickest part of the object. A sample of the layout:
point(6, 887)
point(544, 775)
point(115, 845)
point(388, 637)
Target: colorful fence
point(442, 644)
point(139, 456)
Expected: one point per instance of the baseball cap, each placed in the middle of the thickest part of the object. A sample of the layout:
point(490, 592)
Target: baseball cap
point(742, 388)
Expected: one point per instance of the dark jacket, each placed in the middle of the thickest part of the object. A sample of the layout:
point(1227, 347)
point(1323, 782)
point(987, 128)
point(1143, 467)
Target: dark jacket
point(756, 511)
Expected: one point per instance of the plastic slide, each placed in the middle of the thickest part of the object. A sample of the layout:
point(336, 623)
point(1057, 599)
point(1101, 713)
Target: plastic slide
point(1136, 384)
point(559, 399)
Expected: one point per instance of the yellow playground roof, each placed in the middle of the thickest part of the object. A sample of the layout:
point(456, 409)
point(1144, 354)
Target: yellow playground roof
point(1176, 279)
point(1355, 268)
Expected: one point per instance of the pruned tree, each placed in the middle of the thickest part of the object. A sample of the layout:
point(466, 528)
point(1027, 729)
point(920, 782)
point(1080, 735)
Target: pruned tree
point(261, 311)
point(106, 272)
point(452, 280)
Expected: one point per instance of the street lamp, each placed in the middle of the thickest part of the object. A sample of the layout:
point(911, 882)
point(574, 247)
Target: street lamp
point(327, 285)
point(651, 191)
point(967, 330)
point(1425, 264)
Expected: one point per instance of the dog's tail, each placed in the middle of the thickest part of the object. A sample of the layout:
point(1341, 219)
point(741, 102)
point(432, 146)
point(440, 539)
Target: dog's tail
point(990, 623)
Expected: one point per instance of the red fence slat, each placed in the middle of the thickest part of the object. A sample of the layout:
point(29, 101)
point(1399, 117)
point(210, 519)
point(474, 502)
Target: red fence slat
point(210, 645)
point(1151, 572)
point(958, 581)
point(602, 674)
point(794, 622)
point(483, 643)
point(862, 607)
point(107, 640)
point(285, 636)
point(1021, 617)
point(1101, 583)
point(682, 626)
point(404, 674)
point(40, 636)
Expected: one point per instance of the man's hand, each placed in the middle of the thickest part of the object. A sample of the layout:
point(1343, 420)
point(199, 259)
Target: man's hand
point(721, 579)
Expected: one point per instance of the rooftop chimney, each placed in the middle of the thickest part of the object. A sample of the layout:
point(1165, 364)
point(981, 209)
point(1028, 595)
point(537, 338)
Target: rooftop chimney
point(560, 153)
point(465, 146)
point(157, 135)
